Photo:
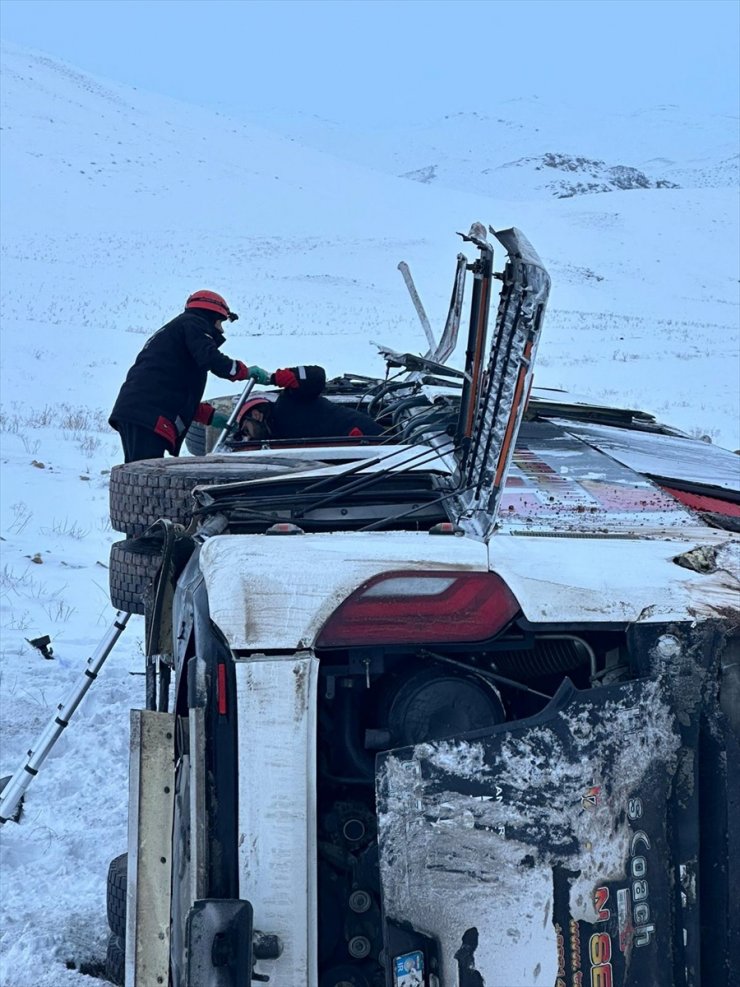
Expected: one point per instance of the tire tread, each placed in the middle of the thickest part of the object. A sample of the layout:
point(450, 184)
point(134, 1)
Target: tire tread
point(141, 492)
point(134, 562)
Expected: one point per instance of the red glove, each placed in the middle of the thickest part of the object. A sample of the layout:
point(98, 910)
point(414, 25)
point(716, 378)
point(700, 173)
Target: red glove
point(305, 383)
point(204, 413)
point(240, 371)
point(285, 378)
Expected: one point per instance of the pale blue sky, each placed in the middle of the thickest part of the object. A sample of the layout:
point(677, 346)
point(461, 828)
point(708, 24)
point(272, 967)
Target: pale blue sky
point(371, 62)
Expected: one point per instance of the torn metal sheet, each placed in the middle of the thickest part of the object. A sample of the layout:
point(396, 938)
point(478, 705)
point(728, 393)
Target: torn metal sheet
point(536, 853)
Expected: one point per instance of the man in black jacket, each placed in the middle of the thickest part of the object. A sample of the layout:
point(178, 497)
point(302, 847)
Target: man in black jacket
point(300, 411)
point(162, 392)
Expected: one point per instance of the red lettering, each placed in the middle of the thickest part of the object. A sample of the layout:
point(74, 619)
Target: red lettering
point(601, 896)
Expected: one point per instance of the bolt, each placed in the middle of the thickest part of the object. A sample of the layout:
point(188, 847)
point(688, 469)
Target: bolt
point(359, 947)
point(353, 830)
point(668, 646)
point(359, 901)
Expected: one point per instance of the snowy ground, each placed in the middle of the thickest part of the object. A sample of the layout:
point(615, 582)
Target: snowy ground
point(104, 235)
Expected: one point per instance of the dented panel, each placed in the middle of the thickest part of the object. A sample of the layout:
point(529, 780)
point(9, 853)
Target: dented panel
point(619, 579)
point(272, 591)
point(537, 853)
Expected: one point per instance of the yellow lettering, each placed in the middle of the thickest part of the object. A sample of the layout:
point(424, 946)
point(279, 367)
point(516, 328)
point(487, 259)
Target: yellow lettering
point(600, 948)
point(601, 976)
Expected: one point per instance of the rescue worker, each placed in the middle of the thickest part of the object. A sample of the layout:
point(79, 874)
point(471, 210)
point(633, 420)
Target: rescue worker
point(162, 392)
point(300, 412)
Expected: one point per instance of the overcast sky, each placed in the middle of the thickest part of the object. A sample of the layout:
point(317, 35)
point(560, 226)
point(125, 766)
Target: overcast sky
point(389, 61)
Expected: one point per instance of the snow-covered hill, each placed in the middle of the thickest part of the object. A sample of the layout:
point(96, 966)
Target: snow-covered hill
point(116, 204)
point(525, 148)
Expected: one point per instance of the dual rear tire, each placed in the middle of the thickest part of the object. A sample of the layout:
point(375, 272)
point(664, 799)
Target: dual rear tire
point(116, 891)
point(144, 491)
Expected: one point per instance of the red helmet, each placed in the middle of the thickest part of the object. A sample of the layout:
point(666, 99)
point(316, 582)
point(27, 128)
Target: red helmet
point(255, 428)
point(259, 403)
point(213, 302)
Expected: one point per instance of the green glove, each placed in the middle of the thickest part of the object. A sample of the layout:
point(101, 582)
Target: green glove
point(219, 420)
point(259, 375)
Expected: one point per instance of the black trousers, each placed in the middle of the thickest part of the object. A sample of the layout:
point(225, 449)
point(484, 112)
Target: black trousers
point(141, 443)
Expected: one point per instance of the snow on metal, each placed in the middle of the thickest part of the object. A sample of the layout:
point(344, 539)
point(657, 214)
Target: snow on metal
point(272, 591)
point(473, 831)
point(667, 456)
point(574, 579)
point(277, 800)
point(558, 483)
point(499, 396)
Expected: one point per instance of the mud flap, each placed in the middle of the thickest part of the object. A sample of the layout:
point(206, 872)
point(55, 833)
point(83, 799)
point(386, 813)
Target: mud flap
point(218, 936)
point(537, 852)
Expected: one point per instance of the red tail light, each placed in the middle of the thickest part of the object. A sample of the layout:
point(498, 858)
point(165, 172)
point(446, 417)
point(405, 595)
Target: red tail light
point(409, 607)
